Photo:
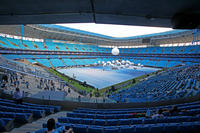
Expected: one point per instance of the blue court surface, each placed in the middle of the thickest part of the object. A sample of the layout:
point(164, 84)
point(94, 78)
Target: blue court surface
point(101, 77)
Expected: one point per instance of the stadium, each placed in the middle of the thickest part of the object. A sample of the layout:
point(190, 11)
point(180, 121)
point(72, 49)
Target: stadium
point(87, 82)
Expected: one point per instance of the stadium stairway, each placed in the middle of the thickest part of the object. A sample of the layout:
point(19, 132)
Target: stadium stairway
point(29, 127)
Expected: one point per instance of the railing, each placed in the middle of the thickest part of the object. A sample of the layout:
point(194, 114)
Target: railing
point(90, 100)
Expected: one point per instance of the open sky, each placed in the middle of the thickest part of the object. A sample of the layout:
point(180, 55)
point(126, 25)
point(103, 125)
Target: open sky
point(116, 30)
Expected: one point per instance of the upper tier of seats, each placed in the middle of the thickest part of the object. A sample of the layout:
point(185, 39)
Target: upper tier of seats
point(63, 60)
point(30, 45)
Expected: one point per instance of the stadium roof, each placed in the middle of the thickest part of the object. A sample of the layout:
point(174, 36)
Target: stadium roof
point(55, 32)
point(160, 13)
point(57, 27)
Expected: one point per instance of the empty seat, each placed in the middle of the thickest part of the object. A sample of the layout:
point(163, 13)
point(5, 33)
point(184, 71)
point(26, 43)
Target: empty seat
point(112, 122)
point(158, 128)
point(124, 121)
point(95, 129)
point(78, 128)
point(6, 124)
point(136, 121)
point(186, 128)
point(171, 128)
point(36, 113)
point(19, 117)
point(127, 129)
point(88, 121)
point(142, 129)
point(100, 122)
point(111, 130)
point(63, 120)
point(149, 121)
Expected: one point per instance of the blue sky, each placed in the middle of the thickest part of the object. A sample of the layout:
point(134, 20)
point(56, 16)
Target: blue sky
point(116, 30)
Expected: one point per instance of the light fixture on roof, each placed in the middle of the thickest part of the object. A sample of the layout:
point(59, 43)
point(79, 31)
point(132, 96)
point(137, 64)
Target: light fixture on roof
point(115, 51)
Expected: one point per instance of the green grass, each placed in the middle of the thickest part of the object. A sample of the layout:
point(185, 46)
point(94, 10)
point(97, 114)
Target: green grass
point(72, 82)
point(80, 87)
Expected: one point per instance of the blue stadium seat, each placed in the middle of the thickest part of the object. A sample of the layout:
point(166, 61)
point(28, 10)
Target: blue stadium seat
point(75, 120)
point(6, 124)
point(88, 121)
point(158, 128)
point(127, 129)
point(19, 117)
point(142, 128)
point(171, 128)
point(112, 122)
point(100, 122)
point(95, 129)
point(36, 113)
point(124, 121)
point(111, 130)
point(78, 128)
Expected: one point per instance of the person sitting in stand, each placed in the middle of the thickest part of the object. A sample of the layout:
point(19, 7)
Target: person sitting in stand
point(51, 126)
point(158, 114)
point(18, 96)
point(173, 112)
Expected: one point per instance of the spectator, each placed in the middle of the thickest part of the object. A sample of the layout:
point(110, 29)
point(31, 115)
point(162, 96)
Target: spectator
point(5, 78)
point(17, 83)
point(148, 114)
point(79, 98)
point(69, 90)
point(18, 96)
point(158, 114)
point(104, 100)
point(90, 94)
point(51, 126)
point(174, 111)
point(27, 84)
point(3, 84)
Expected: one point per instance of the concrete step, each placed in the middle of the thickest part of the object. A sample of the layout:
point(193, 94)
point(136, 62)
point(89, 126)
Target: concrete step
point(36, 125)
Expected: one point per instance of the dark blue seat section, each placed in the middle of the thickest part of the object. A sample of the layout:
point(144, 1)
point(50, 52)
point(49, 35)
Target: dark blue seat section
point(100, 116)
point(187, 106)
point(36, 113)
point(43, 130)
point(131, 121)
point(185, 127)
point(123, 120)
point(126, 109)
point(126, 129)
point(6, 124)
point(190, 112)
point(56, 108)
point(47, 110)
point(109, 112)
point(19, 117)
point(78, 128)
point(95, 129)
point(190, 107)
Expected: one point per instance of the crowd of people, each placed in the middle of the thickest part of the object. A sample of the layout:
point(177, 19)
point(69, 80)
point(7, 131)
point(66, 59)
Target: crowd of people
point(162, 112)
point(29, 85)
